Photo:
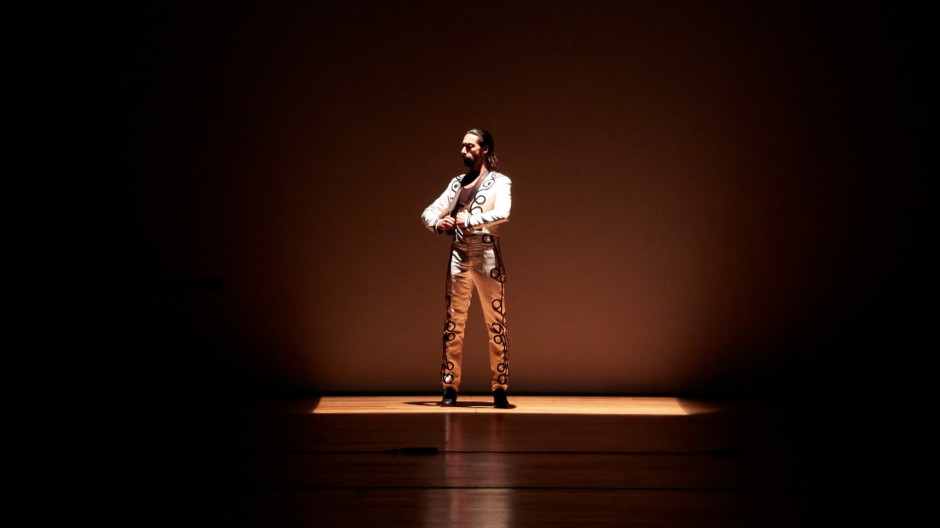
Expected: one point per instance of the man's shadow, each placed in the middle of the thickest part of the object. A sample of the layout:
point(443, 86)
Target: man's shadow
point(464, 404)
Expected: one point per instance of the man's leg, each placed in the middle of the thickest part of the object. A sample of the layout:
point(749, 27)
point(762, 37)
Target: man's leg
point(459, 290)
point(490, 281)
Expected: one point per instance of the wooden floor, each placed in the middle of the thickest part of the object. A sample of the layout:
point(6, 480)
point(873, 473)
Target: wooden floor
point(548, 461)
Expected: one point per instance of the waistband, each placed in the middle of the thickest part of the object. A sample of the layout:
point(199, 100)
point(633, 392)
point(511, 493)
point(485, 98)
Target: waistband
point(476, 239)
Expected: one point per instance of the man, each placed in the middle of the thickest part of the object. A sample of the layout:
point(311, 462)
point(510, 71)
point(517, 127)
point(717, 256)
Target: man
point(471, 209)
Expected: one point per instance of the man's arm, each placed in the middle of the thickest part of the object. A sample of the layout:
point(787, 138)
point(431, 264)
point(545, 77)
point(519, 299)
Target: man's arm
point(436, 216)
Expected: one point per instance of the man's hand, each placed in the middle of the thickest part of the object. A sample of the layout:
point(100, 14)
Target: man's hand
point(446, 223)
point(462, 218)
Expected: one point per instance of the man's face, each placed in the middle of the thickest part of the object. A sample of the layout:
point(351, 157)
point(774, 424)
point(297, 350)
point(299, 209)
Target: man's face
point(472, 153)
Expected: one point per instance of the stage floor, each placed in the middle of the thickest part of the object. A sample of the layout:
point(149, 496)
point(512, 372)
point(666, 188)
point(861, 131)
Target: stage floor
point(403, 461)
point(576, 405)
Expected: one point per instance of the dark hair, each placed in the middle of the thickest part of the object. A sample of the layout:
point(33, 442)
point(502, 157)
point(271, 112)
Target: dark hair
point(486, 140)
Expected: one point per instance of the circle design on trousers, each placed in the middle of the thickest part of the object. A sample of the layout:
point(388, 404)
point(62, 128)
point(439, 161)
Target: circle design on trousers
point(495, 273)
point(449, 326)
point(501, 367)
point(498, 339)
point(450, 336)
point(497, 305)
point(502, 379)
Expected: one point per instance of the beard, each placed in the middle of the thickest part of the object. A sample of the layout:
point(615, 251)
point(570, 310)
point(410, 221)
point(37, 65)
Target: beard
point(469, 162)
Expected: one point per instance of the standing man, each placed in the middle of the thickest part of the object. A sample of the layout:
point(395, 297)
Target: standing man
point(471, 209)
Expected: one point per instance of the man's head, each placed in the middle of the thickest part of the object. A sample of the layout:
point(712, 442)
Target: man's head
point(478, 150)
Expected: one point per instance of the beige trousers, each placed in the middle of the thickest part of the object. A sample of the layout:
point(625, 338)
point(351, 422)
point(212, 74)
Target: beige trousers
point(475, 264)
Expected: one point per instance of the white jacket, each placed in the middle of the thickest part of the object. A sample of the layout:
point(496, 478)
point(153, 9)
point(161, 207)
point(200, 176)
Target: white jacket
point(489, 208)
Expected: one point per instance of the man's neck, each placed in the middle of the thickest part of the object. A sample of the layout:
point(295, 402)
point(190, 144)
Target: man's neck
point(473, 174)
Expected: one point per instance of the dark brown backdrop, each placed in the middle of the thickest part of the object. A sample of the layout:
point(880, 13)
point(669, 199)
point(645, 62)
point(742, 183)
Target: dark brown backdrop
point(709, 197)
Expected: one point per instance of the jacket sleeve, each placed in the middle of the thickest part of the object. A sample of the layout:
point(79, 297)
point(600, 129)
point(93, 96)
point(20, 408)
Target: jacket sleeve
point(438, 209)
point(501, 195)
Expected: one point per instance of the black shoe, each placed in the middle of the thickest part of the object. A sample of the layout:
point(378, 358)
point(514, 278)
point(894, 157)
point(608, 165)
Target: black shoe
point(450, 398)
point(499, 399)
